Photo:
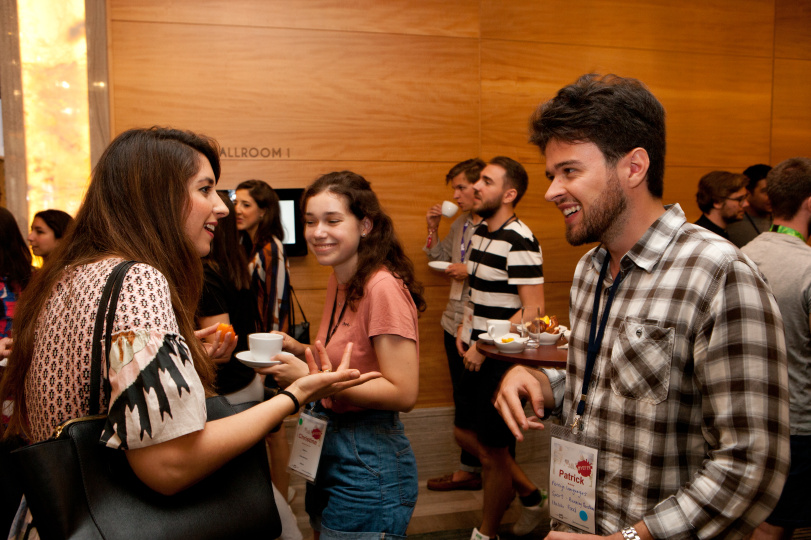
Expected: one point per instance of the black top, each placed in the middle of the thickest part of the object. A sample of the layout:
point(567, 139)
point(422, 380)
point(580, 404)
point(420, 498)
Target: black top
point(221, 296)
point(705, 222)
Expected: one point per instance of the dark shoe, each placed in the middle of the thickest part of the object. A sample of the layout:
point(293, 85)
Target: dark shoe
point(447, 483)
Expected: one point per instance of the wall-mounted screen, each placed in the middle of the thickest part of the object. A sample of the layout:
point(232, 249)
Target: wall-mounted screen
point(292, 220)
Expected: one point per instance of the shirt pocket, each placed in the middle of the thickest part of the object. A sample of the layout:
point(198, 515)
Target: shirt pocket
point(641, 360)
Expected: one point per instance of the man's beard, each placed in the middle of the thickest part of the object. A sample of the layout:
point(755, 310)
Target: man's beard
point(597, 224)
point(488, 209)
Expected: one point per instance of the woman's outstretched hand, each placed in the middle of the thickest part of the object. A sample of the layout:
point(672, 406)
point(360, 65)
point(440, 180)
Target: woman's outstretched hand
point(326, 380)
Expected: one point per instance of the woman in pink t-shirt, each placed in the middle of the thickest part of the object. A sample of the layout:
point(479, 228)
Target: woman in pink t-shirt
point(367, 478)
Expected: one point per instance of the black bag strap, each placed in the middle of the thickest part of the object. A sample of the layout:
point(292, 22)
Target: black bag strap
point(111, 291)
point(292, 309)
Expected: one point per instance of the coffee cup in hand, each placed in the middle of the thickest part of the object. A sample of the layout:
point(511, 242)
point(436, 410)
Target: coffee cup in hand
point(265, 346)
point(449, 209)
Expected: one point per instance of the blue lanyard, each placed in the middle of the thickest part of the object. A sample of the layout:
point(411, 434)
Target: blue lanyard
point(596, 334)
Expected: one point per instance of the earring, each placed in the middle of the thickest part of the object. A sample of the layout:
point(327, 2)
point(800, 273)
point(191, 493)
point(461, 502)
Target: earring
point(363, 235)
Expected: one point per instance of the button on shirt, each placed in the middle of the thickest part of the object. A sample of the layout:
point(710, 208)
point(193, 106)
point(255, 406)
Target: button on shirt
point(688, 401)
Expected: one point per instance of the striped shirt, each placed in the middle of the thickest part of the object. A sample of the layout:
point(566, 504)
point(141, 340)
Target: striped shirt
point(499, 262)
point(689, 396)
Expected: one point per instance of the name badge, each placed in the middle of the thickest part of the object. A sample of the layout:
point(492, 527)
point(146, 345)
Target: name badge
point(457, 288)
point(307, 445)
point(572, 479)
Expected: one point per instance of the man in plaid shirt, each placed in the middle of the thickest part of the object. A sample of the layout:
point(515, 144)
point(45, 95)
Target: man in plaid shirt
point(687, 403)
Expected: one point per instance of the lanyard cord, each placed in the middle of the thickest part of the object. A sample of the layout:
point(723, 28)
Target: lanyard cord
point(596, 334)
point(786, 230)
point(463, 248)
point(475, 268)
point(332, 329)
point(752, 222)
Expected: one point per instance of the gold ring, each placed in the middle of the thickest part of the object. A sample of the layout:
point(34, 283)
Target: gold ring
point(328, 370)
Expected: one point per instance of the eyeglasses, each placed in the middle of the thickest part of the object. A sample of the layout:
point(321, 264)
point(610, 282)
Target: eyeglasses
point(738, 200)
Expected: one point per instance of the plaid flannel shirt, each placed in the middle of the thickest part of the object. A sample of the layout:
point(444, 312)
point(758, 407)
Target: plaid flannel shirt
point(689, 396)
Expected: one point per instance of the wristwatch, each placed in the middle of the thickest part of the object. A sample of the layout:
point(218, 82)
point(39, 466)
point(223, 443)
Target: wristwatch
point(629, 533)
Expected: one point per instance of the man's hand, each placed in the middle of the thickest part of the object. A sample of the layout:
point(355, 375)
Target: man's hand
point(473, 359)
point(433, 216)
point(518, 384)
point(457, 271)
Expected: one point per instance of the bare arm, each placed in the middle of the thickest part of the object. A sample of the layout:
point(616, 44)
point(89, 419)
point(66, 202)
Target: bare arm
point(531, 295)
point(174, 465)
point(398, 387)
point(522, 383)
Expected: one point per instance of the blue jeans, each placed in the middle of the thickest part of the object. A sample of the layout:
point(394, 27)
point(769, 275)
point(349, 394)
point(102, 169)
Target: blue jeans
point(366, 485)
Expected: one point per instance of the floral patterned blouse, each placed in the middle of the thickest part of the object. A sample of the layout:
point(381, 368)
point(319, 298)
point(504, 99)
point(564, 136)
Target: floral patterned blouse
point(155, 393)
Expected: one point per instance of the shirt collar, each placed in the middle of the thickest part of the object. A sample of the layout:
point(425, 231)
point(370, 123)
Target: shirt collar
point(649, 249)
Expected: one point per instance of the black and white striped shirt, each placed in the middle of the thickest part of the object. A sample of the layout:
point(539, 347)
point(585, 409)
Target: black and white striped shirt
point(499, 262)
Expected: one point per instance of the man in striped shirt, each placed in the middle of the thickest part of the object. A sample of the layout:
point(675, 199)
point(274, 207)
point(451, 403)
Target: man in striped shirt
point(505, 272)
point(677, 377)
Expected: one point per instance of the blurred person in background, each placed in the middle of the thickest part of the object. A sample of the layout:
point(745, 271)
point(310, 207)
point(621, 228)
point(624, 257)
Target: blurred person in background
point(757, 216)
point(47, 229)
point(722, 199)
point(258, 217)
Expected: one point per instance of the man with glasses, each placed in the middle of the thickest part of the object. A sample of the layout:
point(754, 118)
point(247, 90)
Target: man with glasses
point(722, 198)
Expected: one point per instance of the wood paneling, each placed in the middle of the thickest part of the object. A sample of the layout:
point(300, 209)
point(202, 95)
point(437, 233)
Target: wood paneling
point(456, 18)
point(737, 27)
point(791, 114)
point(399, 91)
point(717, 106)
point(792, 38)
point(322, 95)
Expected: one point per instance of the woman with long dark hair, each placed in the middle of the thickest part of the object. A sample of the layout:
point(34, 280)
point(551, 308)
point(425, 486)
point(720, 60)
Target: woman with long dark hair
point(151, 199)
point(367, 478)
point(15, 269)
point(47, 229)
point(259, 218)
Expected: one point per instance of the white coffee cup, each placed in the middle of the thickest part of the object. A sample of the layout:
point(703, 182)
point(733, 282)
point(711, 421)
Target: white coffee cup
point(265, 346)
point(449, 209)
point(497, 328)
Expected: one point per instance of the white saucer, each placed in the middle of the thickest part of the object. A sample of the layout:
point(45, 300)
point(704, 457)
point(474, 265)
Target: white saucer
point(486, 339)
point(247, 358)
point(439, 265)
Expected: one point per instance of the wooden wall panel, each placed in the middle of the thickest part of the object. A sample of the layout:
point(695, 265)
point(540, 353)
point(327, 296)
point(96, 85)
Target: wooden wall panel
point(714, 27)
point(717, 106)
point(399, 91)
point(792, 38)
point(791, 114)
point(318, 95)
point(456, 18)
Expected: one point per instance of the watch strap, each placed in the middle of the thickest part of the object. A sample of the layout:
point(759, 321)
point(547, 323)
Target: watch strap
point(629, 533)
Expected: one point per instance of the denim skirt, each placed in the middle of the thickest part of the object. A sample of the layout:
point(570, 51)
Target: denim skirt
point(366, 485)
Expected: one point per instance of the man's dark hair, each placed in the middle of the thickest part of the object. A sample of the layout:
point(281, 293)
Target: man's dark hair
point(471, 167)
point(515, 175)
point(755, 174)
point(615, 113)
point(716, 186)
point(788, 185)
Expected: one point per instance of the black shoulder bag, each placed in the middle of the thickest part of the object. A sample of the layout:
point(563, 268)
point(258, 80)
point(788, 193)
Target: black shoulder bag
point(301, 331)
point(77, 488)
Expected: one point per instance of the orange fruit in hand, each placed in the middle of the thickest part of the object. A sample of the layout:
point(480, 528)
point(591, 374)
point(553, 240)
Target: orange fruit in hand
point(224, 329)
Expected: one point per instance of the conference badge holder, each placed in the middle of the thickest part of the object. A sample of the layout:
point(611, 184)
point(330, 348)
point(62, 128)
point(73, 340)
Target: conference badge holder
point(307, 445)
point(572, 478)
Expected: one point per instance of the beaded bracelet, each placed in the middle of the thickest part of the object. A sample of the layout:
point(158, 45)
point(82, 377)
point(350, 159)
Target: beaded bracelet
point(291, 396)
